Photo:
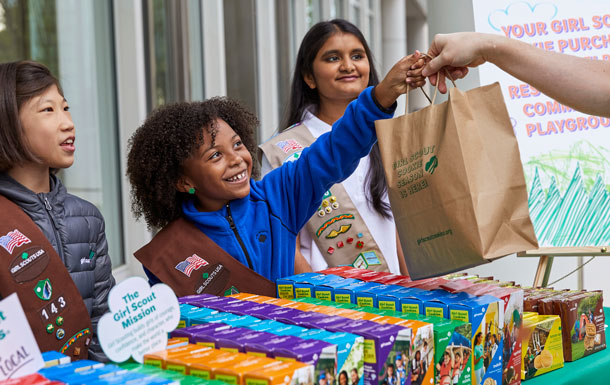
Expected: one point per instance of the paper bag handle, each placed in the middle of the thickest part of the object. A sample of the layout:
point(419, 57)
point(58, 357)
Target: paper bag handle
point(425, 55)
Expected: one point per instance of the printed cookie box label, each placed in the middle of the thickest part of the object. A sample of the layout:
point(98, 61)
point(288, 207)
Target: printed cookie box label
point(453, 337)
point(383, 344)
point(542, 346)
point(586, 325)
point(512, 300)
point(350, 353)
point(285, 286)
point(486, 315)
point(322, 355)
point(422, 349)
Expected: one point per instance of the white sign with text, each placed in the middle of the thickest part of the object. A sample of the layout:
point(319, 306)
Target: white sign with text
point(139, 319)
point(19, 352)
point(565, 153)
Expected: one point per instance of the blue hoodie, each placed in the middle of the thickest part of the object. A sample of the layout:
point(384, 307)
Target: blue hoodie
point(267, 221)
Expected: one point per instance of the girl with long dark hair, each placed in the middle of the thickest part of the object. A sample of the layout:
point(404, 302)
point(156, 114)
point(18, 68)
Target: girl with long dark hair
point(354, 224)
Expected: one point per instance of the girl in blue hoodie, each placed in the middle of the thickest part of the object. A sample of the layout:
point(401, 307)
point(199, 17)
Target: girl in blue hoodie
point(194, 161)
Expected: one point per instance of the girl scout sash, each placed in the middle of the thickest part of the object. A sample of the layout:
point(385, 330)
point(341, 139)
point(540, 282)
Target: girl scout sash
point(30, 267)
point(187, 260)
point(337, 228)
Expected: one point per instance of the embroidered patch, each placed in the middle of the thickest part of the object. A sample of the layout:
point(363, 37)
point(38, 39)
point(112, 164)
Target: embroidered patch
point(371, 258)
point(292, 157)
point(289, 145)
point(43, 289)
point(194, 262)
point(52, 309)
point(213, 280)
point(360, 262)
point(13, 239)
point(230, 291)
point(75, 338)
point(341, 230)
point(29, 264)
point(331, 221)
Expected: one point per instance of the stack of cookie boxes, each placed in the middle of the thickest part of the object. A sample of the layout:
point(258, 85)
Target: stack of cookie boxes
point(482, 310)
point(350, 345)
point(382, 296)
point(226, 366)
point(96, 373)
point(582, 318)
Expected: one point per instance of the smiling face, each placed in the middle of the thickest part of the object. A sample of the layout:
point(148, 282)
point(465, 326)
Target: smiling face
point(48, 129)
point(340, 70)
point(220, 169)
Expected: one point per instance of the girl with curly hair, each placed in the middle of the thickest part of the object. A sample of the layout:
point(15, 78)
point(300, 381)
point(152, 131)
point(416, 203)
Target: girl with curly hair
point(190, 166)
point(333, 66)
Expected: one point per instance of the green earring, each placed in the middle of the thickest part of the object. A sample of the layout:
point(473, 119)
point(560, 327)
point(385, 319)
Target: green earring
point(192, 191)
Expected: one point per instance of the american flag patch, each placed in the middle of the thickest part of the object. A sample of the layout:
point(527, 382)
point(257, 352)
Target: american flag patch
point(193, 262)
point(289, 145)
point(13, 239)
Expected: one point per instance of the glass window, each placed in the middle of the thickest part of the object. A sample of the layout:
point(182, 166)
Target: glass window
point(313, 12)
point(354, 11)
point(74, 39)
point(173, 31)
point(28, 31)
point(158, 64)
point(336, 9)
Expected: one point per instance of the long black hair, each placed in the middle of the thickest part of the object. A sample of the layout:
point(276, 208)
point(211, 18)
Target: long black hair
point(302, 97)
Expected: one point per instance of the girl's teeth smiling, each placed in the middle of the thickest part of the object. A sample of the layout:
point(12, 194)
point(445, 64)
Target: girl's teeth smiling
point(237, 177)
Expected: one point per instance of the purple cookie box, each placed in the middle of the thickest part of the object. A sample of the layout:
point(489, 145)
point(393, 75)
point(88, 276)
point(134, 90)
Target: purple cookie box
point(270, 346)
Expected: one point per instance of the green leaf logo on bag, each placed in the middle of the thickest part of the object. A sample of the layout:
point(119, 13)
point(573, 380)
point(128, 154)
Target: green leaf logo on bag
point(43, 289)
point(432, 164)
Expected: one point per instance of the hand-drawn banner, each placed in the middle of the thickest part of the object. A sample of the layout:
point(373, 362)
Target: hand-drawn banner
point(565, 154)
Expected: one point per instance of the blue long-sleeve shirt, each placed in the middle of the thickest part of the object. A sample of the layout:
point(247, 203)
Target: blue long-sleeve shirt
point(267, 221)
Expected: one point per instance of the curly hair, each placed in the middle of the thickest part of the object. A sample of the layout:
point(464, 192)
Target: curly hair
point(169, 136)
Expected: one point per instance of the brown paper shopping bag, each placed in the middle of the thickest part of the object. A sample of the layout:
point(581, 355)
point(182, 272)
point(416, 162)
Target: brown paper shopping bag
point(455, 183)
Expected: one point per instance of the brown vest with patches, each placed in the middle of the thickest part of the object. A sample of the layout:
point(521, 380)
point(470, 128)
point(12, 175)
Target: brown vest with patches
point(337, 228)
point(30, 267)
point(187, 260)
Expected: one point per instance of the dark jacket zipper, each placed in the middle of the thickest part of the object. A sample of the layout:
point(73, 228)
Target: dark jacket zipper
point(241, 243)
point(60, 248)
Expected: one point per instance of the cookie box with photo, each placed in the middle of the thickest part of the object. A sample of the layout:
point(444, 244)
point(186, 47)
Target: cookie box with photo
point(384, 345)
point(452, 351)
point(320, 354)
point(487, 320)
point(542, 347)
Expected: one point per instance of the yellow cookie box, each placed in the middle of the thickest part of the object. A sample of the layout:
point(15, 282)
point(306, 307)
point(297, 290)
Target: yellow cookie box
point(542, 346)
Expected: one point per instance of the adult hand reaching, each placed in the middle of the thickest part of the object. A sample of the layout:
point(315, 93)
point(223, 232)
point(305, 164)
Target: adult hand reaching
point(582, 84)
